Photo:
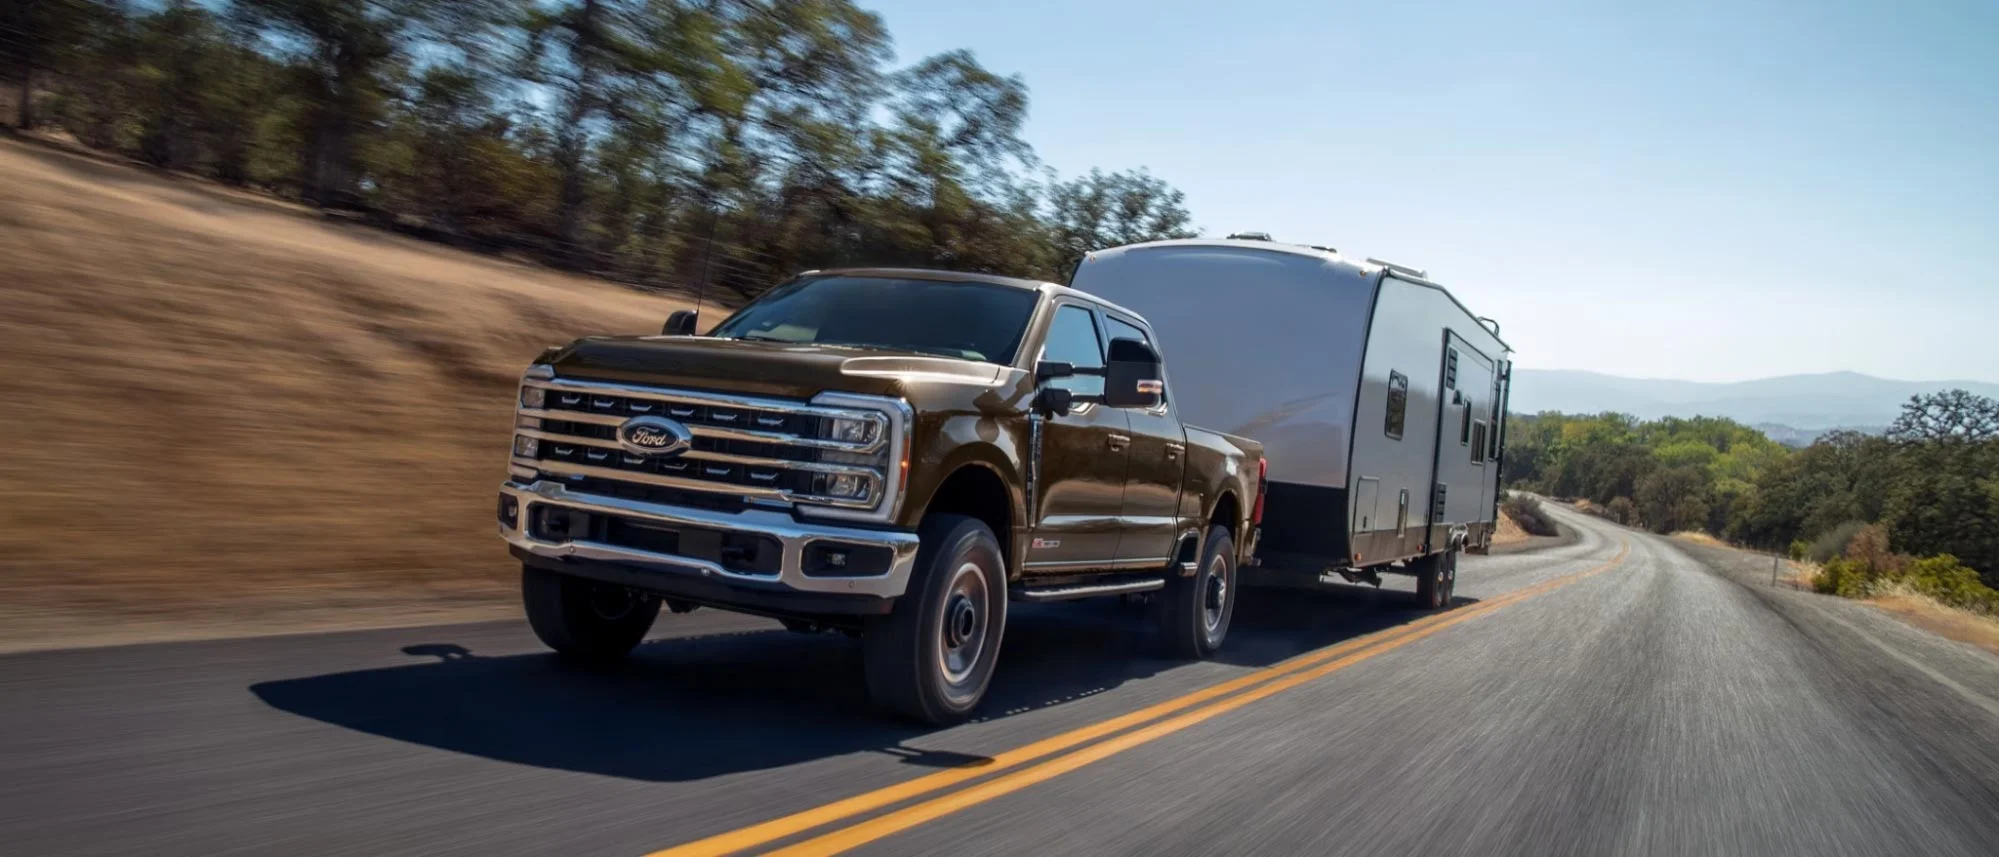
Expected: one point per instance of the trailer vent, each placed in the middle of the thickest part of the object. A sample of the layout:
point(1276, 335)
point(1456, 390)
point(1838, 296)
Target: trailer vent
point(1437, 505)
point(1249, 236)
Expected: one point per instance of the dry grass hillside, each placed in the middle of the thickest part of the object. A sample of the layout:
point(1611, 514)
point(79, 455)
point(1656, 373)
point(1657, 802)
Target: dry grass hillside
point(219, 404)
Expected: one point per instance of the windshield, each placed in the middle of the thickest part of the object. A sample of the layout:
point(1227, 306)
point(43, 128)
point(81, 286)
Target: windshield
point(971, 321)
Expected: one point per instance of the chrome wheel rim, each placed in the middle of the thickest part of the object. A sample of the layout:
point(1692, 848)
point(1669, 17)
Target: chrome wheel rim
point(962, 625)
point(1215, 596)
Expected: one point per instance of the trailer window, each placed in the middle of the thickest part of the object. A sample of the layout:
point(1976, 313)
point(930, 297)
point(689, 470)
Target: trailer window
point(1398, 404)
point(1464, 421)
point(1478, 442)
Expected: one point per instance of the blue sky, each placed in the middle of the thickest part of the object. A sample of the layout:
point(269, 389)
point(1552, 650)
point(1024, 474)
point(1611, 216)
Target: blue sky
point(1710, 191)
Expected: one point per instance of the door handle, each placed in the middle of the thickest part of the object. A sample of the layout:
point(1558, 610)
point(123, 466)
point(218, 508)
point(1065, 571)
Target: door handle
point(1117, 441)
point(1173, 450)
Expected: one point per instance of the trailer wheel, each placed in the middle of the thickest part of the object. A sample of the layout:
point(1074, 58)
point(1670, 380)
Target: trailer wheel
point(1194, 611)
point(1437, 579)
point(932, 656)
point(583, 619)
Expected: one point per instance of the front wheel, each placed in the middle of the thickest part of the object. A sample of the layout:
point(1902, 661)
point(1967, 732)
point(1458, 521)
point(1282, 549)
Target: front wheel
point(1194, 611)
point(583, 619)
point(932, 656)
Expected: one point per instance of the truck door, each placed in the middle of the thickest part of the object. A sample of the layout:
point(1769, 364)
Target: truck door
point(1156, 474)
point(1079, 474)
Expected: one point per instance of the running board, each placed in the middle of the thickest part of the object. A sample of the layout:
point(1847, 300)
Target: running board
point(1087, 590)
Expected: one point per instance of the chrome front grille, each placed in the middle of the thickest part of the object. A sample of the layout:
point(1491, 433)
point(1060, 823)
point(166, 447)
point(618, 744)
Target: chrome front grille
point(741, 446)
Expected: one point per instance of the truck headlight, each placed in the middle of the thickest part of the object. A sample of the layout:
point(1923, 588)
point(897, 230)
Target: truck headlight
point(855, 431)
point(533, 397)
point(869, 436)
point(852, 430)
point(525, 446)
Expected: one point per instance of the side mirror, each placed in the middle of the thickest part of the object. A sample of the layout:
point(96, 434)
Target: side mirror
point(1132, 378)
point(680, 323)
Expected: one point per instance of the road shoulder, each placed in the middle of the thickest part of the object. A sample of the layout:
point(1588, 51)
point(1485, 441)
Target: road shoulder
point(1853, 627)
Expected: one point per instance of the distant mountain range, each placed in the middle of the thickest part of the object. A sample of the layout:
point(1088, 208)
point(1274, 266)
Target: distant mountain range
point(1792, 408)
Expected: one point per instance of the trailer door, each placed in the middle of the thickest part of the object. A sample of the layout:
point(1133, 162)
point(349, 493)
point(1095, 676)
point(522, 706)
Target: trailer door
point(1461, 489)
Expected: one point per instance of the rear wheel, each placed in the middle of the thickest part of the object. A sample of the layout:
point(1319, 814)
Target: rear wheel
point(1194, 612)
point(1437, 579)
point(931, 658)
point(584, 619)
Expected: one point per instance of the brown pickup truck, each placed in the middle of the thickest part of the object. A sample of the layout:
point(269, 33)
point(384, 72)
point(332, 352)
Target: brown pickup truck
point(891, 453)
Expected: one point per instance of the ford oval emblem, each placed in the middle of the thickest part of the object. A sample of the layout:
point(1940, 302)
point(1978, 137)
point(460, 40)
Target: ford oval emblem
point(654, 436)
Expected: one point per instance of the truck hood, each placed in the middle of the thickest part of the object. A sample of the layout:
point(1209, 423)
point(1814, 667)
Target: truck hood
point(787, 370)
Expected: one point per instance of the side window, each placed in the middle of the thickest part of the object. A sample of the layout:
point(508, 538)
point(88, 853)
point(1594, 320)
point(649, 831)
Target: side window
point(1120, 329)
point(1464, 422)
point(1478, 442)
point(1072, 338)
point(1398, 404)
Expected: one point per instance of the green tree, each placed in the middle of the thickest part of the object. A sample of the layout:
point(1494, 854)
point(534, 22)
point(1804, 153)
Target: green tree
point(1100, 210)
point(38, 36)
point(342, 56)
point(1946, 501)
point(1951, 415)
point(1673, 499)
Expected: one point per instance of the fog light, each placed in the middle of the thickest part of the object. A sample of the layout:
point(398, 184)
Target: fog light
point(850, 431)
point(533, 397)
point(526, 447)
point(846, 485)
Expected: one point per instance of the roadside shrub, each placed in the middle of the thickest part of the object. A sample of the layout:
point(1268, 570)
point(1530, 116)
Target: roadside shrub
point(1869, 568)
point(1526, 511)
point(1621, 510)
point(1832, 543)
point(1945, 579)
point(1799, 548)
point(1869, 547)
point(1845, 578)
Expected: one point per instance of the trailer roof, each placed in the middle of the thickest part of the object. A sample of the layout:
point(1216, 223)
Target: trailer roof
point(1366, 265)
point(1055, 290)
point(929, 274)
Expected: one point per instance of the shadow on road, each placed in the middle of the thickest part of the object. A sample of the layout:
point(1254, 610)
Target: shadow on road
point(689, 708)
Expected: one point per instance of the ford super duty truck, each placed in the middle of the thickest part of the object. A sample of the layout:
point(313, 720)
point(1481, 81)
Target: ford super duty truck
point(896, 454)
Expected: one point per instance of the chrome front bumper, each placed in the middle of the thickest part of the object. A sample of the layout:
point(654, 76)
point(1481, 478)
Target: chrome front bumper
point(793, 535)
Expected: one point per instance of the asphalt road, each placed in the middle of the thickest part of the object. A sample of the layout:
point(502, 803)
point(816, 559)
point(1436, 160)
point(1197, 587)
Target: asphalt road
point(1614, 695)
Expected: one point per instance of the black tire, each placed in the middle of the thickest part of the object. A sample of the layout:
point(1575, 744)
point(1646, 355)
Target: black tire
point(1437, 580)
point(1194, 612)
point(583, 619)
point(931, 658)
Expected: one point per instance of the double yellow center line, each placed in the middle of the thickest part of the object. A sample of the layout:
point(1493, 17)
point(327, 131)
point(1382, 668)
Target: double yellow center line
point(1155, 721)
